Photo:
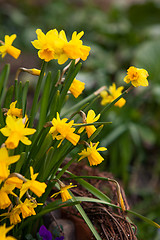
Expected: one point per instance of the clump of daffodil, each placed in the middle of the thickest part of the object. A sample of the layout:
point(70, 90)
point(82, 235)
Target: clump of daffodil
point(65, 195)
point(16, 131)
point(35, 186)
point(8, 48)
point(137, 77)
point(92, 153)
point(76, 87)
point(112, 95)
point(4, 230)
point(91, 118)
point(54, 45)
point(5, 161)
point(64, 129)
point(13, 111)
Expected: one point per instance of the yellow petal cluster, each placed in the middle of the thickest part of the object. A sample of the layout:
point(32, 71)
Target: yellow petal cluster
point(8, 48)
point(5, 161)
point(54, 45)
point(13, 111)
point(137, 77)
point(64, 129)
point(4, 199)
point(36, 187)
point(65, 195)
point(4, 230)
point(76, 87)
point(16, 131)
point(91, 118)
point(92, 154)
point(112, 95)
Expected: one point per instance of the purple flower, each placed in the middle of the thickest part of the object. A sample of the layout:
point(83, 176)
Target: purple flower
point(59, 238)
point(44, 233)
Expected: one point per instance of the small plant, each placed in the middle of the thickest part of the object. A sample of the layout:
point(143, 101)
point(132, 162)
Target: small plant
point(36, 141)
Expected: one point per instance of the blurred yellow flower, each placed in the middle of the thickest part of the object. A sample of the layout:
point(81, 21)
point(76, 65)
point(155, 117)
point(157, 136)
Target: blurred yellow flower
point(8, 48)
point(65, 195)
point(112, 95)
point(4, 230)
point(91, 118)
point(36, 187)
point(13, 111)
point(137, 77)
point(76, 87)
point(5, 161)
point(64, 129)
point(75, 48)
point(44, 44)
point(92, 154)
point(16, 131)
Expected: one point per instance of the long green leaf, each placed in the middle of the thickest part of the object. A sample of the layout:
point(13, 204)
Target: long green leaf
point(44, 103)
point(3, 81)
point(36, 95)
point(86, 219)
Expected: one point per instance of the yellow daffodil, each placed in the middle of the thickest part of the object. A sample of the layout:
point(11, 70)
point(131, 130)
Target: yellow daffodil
point(36, 187)
point(4, 230)
point(59, 44)
point(76, 87)
point(112, 95)
point(91, 118)
point(92, 154)
point(16, 131)
point(64, 129)
point(14, 217)
point(13, 111)
point(5, 161)
point(4, 199)
point(27, 208)
point(65, 195)
point(137, 77)
point(44, 44)
point(75, 48)
point(54, 45)
point(14, 181)
point(8, 48)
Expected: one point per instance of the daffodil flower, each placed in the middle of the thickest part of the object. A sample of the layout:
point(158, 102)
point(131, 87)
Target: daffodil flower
point(64, 129)
point(8, 48)
point(4, 199)
point(36, 187)
point(92, 153)
point(4, 230)
point(65, 195)
point(112, 95)
point(91, 118)
point(13, 111)
point(5, 161)
point(76, 87)
point(137, 77)
point(16, 131)
point(75, 48)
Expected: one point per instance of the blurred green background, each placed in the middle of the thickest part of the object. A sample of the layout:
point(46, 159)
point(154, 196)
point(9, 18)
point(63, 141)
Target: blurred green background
point(121, 34)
